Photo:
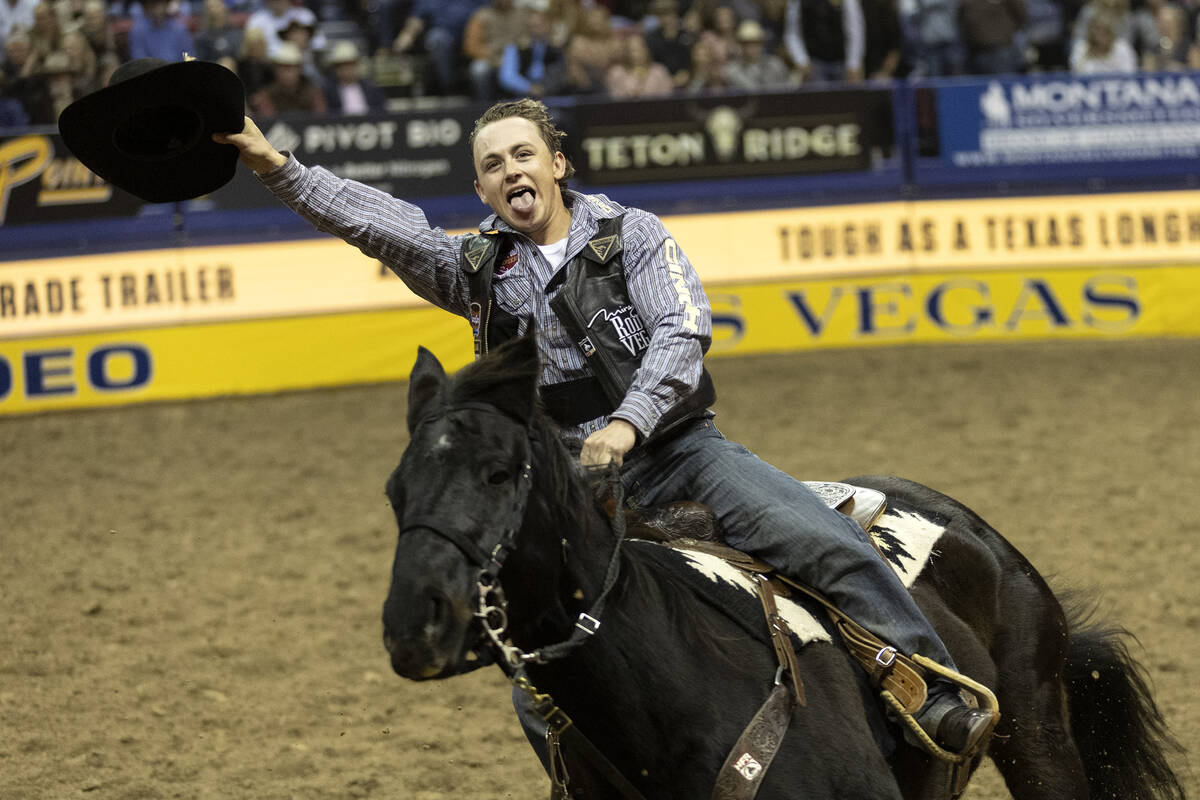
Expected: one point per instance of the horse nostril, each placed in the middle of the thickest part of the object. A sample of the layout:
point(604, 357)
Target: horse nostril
point(438, 612)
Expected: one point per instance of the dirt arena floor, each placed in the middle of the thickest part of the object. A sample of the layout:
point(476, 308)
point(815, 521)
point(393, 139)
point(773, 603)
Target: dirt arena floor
point(190, 593)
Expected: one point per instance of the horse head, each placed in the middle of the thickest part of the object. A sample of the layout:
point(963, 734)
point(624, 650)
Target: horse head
point(459, 491)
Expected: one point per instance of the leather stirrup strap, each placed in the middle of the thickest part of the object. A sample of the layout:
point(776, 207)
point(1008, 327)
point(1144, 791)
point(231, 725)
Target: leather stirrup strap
point(887, 667)
point(746, 765)
point(781, 635)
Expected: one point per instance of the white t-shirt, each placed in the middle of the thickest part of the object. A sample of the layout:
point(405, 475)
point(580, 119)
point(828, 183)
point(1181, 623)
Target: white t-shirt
point(554, 253)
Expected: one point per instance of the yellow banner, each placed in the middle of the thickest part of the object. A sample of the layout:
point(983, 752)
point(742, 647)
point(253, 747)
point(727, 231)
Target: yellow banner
point(929, 235)
point(976, 306)
point(320, 276)
point(114, 291)
point(251, 357)
point(268, 355)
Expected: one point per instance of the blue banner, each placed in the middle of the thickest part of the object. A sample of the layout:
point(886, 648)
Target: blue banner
point(1055, 127)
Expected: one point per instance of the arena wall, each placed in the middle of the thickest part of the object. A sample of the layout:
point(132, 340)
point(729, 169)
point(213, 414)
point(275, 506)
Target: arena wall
point(132, 303)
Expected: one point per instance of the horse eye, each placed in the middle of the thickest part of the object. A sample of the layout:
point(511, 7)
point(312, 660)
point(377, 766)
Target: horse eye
point(499, 477)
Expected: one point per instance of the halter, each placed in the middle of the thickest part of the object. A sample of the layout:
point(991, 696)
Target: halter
point(491, 605)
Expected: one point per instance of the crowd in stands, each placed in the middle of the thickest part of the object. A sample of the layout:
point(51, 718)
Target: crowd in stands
point(332, 56)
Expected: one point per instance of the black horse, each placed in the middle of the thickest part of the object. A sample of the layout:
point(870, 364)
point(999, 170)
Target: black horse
point(491, 505)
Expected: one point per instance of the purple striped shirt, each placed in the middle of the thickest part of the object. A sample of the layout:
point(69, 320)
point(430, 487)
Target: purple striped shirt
point(663, 286)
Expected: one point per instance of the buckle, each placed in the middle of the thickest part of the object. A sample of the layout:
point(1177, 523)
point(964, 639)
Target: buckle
point(886, 657)
point(588, 624)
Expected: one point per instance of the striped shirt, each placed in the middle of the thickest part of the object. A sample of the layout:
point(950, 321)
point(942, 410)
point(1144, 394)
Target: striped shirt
point(663, 287)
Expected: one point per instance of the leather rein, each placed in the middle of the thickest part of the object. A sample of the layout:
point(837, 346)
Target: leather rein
point(491, 612)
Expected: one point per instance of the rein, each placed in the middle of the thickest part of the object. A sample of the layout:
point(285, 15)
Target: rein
point(491, 605)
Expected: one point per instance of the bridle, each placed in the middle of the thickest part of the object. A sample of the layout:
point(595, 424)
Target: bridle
point(491, 607)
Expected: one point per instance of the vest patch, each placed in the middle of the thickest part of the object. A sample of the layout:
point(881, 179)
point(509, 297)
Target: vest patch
point(602, 245)
point(507, 263)
point(475, 255)
point(626, 324)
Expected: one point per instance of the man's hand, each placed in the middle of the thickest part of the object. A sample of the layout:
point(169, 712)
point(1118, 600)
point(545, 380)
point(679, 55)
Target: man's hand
point(608, 444)
point(254, 149)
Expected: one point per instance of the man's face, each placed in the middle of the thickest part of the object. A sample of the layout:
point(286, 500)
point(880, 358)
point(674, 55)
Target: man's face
point(517, 175)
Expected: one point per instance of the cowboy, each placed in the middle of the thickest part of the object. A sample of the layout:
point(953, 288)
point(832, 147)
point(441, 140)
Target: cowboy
point(623, 325)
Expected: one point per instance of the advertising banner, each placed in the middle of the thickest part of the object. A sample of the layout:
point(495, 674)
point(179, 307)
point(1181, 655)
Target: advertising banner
point(251, 357)
point(411, 155)
point(40, 181)
point(115, 291)
point(960, 307)
point(416, 154)
point(266, 355)
point(1056, 125)
point(801, 132)
point(183, 285)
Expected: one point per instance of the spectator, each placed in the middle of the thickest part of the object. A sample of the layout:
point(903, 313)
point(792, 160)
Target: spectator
point(439, 25)
point(1172, 48)
point(637, 74)
point(83, 62)
point(1101, 52)
point(707, 75)
point(591, 52)
point(23, 82)
point(254, 66)
point(217, 37)
point(14, 15)
point(159, 33)
point(60, 83)
point(754, 69)
point(826, 39)
point(1046, 35)
point(488, 32)
point(45, 37)
point(1118, 13)
point(989, 30)
point(719, 38)
point(670, 44)
point(291, 90)
point(884, 40)
point(347, 91)
point(301, 30)
point(12, 113)
point(533, 66)
point(94, 25)
point(275, 16)
point(931, 33)
point(563, 16)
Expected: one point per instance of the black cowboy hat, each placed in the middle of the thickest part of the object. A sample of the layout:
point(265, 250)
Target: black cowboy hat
point(150, 130)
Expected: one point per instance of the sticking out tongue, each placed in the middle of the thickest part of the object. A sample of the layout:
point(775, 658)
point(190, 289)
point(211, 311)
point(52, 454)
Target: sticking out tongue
point(522, 203)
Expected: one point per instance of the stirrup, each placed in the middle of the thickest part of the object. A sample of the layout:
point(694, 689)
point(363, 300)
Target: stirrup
point(985, 700)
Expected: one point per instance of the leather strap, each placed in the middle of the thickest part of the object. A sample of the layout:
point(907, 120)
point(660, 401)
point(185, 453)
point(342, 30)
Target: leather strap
point(781, 634)
point(746, 765)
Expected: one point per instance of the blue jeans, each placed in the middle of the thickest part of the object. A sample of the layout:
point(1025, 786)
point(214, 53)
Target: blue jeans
point(770, 515)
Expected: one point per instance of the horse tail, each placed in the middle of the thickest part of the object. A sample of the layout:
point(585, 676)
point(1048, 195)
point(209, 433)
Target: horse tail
point(1119, 730)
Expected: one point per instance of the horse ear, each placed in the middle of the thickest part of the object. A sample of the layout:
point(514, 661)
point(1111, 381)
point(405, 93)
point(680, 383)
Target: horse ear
point(517, 393)
point(424, 384)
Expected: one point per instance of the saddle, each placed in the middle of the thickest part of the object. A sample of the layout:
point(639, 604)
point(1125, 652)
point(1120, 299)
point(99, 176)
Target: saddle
point(898, 677)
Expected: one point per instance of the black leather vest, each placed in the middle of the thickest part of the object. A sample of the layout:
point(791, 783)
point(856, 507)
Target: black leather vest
point(592, 303)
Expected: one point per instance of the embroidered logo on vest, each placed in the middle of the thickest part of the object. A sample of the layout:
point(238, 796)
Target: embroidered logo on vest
point(627, 325)
point(474, 255)
point(602, 245)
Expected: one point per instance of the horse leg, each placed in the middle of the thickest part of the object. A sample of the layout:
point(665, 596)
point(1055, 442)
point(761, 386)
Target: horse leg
point(1033, 747)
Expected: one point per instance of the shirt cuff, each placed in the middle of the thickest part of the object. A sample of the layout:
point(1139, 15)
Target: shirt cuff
point(284, 179)
point(638, 410)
